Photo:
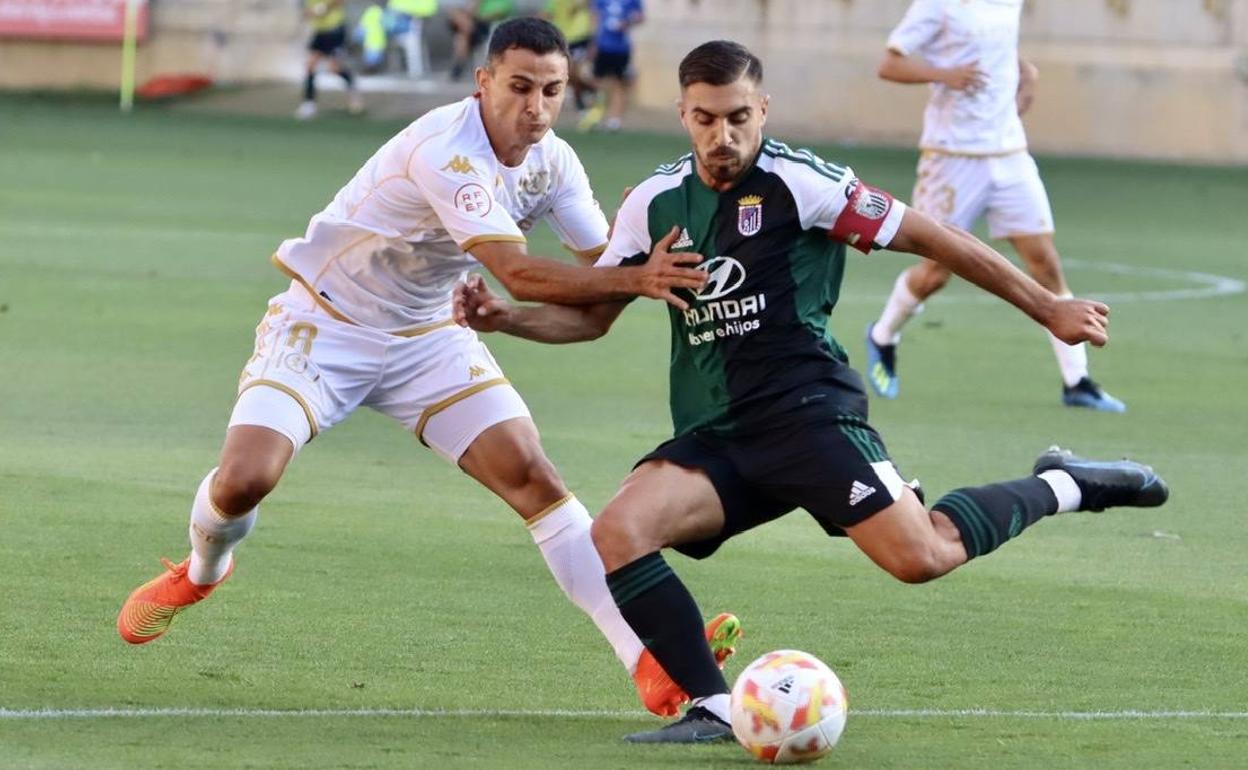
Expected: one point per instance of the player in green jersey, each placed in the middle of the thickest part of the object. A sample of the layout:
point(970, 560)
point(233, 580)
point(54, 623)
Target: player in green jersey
point(768, 415)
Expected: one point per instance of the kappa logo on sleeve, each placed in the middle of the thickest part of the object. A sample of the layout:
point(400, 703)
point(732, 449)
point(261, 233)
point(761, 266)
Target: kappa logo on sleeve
point(459, 165)
point(473, 199)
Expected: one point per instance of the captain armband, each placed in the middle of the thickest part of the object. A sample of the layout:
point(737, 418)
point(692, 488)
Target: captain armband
point(865, 213)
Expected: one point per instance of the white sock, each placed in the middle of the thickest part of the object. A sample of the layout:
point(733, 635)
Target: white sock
point(1071, 359)
point(213, 536)
point(1069, 497)
point(717, 705)
point(562, 535)
point(901, 305)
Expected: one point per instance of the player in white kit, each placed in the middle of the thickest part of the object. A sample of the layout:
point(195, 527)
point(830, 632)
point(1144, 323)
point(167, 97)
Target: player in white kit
point(366, 321)
point(974, 161)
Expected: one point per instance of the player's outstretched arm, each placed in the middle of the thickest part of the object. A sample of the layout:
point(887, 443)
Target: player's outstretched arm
point(1070, 320)
point(477, 307)
point(538, 279)
point(900, 68)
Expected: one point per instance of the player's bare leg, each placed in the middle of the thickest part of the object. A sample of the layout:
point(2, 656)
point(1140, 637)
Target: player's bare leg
point(916, 545)
point(224, 511)
point(1039, 254)
point(508, 459)
point(910, 290)
point(307, 108)
point(909, 542)
point(662, 504)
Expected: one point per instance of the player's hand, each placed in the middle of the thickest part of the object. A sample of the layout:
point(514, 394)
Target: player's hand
point(969, 78)
point(1028, 74)
point(473, 305)
point(1079, 320)
point(664, 272)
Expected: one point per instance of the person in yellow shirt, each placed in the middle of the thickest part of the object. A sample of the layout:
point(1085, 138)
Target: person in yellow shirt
point(574, 20)
point(329, 40)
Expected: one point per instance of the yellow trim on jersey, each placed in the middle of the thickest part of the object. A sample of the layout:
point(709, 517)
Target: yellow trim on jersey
point(453, 399)
point(280, 265)
point(587, 254)
point(490, 238)
point(307, 411)
point(960, 154)
point(415, 331)
point(530, 523)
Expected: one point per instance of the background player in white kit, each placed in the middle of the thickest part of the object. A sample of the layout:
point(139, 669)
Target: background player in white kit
point(366, 321)
point(973, 161)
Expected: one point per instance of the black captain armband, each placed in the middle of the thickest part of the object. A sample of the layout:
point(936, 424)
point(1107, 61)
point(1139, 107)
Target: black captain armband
point(865, 212)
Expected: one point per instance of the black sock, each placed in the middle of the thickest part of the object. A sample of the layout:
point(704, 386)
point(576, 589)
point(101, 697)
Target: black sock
point(987, 516)
point(667, 619)
point(347, 77)
point(309, 87)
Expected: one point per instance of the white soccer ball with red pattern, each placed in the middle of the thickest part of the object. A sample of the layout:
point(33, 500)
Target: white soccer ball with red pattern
point(788, 707)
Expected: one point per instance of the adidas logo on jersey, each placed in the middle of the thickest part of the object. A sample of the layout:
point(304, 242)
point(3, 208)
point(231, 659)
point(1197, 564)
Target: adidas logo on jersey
point(859, 492)
point(684, 241)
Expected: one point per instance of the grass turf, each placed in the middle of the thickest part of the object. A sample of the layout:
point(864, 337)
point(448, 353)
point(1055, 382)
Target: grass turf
point(133, 268)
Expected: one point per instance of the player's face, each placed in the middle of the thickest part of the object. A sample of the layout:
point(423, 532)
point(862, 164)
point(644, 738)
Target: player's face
point(726, 126)
point(521, 94)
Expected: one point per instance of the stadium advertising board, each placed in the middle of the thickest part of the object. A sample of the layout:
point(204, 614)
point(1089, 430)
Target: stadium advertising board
point(91, 20)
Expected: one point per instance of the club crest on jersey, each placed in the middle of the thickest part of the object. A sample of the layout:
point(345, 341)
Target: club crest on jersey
point(749, 215)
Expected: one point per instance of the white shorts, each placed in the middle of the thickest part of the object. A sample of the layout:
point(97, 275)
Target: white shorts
point(443, 384)
point(959, 189)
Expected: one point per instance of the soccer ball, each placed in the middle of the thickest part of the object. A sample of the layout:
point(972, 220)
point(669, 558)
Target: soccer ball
point(788, 707)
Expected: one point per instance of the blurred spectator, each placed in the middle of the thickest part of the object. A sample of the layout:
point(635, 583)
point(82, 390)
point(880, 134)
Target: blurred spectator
point(613, 53)
point(406, 19)
point(574, 20)
point(329, 40)
point(471, 23)
point(370, 33)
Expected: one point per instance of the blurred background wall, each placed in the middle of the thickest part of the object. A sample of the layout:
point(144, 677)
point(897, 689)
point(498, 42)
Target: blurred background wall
point(1150, 78)
point(1157, 78)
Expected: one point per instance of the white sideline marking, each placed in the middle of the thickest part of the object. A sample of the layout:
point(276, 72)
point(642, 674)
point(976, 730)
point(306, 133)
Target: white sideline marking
point(144, 713)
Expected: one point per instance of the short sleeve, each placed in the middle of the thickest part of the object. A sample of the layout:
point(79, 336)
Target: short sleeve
point(920, 25)
point(832, 198)
point(457, 190)
point(575, 216)
point(630, 239)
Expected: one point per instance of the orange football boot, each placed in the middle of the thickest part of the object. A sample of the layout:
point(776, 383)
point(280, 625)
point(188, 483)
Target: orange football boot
point(663, 697)
point(148, 611)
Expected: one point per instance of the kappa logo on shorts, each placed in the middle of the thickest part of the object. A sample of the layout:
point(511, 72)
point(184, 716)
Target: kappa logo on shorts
point(475, 371)
point(859, 492)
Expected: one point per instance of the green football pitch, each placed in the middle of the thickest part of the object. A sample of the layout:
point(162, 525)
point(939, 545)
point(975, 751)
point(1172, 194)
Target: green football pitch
point(388, 613)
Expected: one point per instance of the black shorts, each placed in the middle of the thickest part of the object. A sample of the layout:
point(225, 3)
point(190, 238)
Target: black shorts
point(331, 42)
point(835, 467)
point(608, 64)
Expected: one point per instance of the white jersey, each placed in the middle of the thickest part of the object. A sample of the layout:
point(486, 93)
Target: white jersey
point(953, 33)
point(388, 250)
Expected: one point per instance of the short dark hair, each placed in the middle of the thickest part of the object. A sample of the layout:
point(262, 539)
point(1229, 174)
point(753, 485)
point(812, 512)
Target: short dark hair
point(529, 33)
point(719, 63)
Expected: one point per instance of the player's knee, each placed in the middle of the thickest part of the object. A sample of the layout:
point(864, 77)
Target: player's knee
point(928, 277)
point(239, 487)
point(916, 567)
point(615, 540)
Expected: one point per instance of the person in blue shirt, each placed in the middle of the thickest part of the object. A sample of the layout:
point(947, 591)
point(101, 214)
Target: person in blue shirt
point(613, 53)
